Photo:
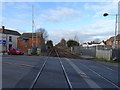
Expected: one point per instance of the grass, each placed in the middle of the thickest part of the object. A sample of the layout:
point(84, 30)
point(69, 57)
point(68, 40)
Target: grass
point(33, 55)
point(106, 60)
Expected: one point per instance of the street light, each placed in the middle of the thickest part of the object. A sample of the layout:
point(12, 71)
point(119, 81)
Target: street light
point(106, 14)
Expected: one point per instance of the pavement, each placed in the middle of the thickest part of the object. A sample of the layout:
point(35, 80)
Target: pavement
point(102, 62)
point(3, 53)
point(20, 71)
point(87, 57)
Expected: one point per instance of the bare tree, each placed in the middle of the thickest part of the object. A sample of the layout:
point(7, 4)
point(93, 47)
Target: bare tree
point(43, 32)
point(76, 38)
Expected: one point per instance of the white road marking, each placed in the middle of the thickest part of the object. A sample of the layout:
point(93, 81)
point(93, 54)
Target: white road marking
point(90, 82)
point(105, 66)
point(109, 68)
point(101, 76)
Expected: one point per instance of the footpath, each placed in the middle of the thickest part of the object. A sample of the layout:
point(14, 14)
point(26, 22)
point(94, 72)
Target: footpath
point(102, 62)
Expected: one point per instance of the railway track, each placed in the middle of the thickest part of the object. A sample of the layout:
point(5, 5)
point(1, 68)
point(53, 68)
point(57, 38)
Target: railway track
point(55, 51)
point(64, 64)
point(66, 76)
point(43, 66)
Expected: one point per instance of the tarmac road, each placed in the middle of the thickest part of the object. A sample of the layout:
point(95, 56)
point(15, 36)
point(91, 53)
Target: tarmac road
point(20, 71)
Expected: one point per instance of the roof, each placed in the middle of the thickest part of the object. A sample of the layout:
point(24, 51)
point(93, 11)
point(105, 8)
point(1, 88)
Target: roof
point(11, 32)
point(112, 38)
point(92, 42)
point(29, 35)
point(103, 42)
point(118, 37)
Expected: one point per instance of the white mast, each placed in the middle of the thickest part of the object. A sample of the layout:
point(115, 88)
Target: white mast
point(36, 35)
point(32, 24)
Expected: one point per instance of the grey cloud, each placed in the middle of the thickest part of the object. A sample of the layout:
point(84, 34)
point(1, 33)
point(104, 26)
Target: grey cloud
point(59, 14)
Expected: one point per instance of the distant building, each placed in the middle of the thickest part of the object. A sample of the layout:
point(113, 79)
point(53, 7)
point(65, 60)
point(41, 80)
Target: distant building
point(110, 41)
point(92, 43)
point(8, 38)
point(103, 43)
point(25, 41)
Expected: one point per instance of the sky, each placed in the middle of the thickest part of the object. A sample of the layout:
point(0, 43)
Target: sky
point(82, 21)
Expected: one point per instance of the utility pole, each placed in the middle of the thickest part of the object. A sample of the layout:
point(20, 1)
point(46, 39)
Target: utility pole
point(32, 24)
point(115, 32)
point(36, 37)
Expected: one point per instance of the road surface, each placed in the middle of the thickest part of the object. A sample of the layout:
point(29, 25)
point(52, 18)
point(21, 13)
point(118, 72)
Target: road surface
point(20, 72)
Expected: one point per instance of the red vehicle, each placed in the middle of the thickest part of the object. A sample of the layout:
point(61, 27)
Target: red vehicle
point(14, 51)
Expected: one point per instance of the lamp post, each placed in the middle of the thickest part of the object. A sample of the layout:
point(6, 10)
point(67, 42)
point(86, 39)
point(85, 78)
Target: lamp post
point(106, 14)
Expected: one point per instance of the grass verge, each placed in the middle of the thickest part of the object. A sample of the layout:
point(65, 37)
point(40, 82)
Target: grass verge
point(106, 60)
point(33, 55)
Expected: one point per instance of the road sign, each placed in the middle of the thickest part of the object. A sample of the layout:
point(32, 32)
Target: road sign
point(2, 41)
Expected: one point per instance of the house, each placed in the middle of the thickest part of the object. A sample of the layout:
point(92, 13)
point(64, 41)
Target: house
point(103, 43)
point(110, 41)
point(8, 38)
point(29, 40)
point(90, 44)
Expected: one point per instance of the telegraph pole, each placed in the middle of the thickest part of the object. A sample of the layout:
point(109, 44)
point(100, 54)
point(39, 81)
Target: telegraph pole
point(115, 46)
point(32, 24)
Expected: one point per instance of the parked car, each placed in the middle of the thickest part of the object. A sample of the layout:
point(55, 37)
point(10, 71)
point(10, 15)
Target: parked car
point(14, 51)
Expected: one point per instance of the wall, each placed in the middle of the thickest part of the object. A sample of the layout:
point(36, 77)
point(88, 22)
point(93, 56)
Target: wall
point(106, 54)
point(91, 51)
point(14, 41)
point(6, 37)
point(25, 46)
point(101, 52)
point(109, 43)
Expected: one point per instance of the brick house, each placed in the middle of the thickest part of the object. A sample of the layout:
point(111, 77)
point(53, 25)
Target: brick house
point(110, 41)
point(25, 41)
point(8, 38)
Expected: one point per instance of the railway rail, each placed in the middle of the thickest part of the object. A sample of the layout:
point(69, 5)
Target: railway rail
point(43, 66)
point(66, 76)
point(64, 71)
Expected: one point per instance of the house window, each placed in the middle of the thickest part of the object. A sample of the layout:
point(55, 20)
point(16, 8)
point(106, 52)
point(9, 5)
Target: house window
point(25, 40)
point(10, 38)
point(116, 42)
point(25, 46)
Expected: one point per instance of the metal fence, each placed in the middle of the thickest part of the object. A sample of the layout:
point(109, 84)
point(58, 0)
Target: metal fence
point(116, 53)
point(105, 52)
point(91, 51)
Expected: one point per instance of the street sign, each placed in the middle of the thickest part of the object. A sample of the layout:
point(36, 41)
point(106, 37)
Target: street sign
point(2, 41)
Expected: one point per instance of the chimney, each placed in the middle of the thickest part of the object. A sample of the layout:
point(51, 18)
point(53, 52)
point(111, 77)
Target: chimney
point(3, 29)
